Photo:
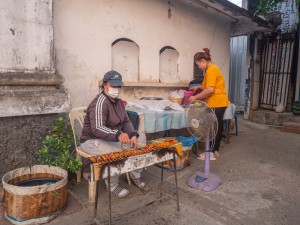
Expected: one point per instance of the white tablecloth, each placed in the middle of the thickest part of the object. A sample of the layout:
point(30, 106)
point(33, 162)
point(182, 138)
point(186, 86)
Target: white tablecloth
point(154, 121)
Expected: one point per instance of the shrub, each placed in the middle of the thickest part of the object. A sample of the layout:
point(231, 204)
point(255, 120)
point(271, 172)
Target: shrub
point(58, 147)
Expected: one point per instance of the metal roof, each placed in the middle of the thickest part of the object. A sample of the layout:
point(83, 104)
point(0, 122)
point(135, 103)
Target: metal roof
point(242, 21)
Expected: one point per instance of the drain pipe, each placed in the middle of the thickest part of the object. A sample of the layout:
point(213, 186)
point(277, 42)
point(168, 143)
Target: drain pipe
point(297, 92)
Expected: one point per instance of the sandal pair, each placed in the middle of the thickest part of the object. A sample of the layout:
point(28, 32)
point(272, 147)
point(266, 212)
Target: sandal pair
point(202, 156)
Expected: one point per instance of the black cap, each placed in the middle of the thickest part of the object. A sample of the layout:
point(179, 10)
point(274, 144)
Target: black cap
point(114, 78)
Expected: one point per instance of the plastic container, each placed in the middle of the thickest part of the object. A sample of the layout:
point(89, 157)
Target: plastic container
point(187, 95)
point(176, 100)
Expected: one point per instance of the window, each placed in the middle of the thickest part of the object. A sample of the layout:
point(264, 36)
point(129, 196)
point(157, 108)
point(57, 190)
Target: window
point(125, 59)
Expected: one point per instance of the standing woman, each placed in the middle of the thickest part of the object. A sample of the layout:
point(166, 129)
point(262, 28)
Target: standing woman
point(214, 91)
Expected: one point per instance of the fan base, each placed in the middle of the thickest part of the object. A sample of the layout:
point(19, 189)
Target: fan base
point(204, 182)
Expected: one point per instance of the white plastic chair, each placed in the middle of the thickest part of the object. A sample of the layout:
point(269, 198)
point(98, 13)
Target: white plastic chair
point(228, 116)
point(77, 119)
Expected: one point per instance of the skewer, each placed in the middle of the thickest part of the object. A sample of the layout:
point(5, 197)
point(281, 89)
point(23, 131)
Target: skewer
point(112, 157)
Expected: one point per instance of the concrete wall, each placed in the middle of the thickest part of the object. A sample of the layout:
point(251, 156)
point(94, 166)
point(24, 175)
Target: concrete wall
point(26, 31)
point(28, 82)
point(85, 30)
point(20, 137)
point(29, 86)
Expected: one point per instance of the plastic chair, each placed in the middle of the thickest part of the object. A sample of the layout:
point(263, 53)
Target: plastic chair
point(76, 116)
point(134, 118)
point(77, 119)
point(228, 127)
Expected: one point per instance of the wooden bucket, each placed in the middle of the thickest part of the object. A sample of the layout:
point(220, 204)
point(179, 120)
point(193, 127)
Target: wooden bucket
point(181, 162)
point(34, 204)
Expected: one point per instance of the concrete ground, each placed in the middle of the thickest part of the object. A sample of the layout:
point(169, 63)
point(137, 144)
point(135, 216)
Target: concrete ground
point(260, 171)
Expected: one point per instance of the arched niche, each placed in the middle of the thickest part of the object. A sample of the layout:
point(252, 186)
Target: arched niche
point(125, 59)
point(168, 65)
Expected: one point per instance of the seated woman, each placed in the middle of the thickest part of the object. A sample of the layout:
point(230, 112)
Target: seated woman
point(107, 126)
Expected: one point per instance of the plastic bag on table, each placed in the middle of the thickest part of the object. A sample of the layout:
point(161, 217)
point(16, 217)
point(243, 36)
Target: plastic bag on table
point(229, 112)
point(186, 141)
point(177, 94)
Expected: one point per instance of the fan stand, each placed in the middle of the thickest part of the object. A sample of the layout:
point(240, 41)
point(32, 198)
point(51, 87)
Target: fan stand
point(205, 181)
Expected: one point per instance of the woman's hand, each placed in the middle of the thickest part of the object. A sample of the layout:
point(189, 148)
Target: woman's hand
point(192, 98)
point(133, 142)
point(124, 138)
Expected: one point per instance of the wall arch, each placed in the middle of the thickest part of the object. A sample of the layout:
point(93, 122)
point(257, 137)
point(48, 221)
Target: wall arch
point(168, 65)
point(125, 59)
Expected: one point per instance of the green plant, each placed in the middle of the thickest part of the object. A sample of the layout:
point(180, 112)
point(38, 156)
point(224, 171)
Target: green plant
point(266, 6)
point(58, 147)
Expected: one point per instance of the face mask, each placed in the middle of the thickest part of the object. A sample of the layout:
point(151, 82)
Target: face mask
point(113, 92)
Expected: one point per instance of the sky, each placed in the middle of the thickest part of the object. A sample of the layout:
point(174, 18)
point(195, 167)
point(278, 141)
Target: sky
point(237, 2)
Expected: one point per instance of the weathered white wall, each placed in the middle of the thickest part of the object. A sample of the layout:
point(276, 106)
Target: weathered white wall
point(85, 30)
point(28, 83)
point(26, 36)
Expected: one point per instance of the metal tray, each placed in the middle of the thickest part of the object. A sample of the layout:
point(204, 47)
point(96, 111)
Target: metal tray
point(151, 98)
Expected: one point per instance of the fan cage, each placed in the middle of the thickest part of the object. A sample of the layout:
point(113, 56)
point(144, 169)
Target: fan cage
point(201, 121)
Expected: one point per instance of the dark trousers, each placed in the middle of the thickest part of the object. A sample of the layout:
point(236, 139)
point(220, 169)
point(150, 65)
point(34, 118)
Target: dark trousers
point(219, 114)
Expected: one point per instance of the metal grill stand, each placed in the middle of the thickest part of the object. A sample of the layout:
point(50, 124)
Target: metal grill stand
point(96, 221)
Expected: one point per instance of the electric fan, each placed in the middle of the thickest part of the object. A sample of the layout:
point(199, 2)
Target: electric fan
point(202, 123)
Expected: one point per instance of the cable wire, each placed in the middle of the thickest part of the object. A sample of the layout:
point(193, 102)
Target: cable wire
point(216, 25)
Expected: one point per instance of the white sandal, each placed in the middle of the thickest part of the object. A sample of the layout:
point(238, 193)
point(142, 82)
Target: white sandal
point(137, 181)
point(120, 192)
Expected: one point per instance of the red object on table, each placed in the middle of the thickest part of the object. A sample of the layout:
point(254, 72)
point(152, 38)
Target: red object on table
point(197, 91)
point(124, 102)
point(187, 95)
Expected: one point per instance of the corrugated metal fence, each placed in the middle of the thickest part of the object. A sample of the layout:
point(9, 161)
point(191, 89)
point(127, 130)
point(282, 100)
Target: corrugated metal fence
point(238, 53)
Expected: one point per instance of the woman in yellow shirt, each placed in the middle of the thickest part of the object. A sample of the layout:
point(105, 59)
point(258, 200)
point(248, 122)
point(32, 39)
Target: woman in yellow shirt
point(214, 91)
